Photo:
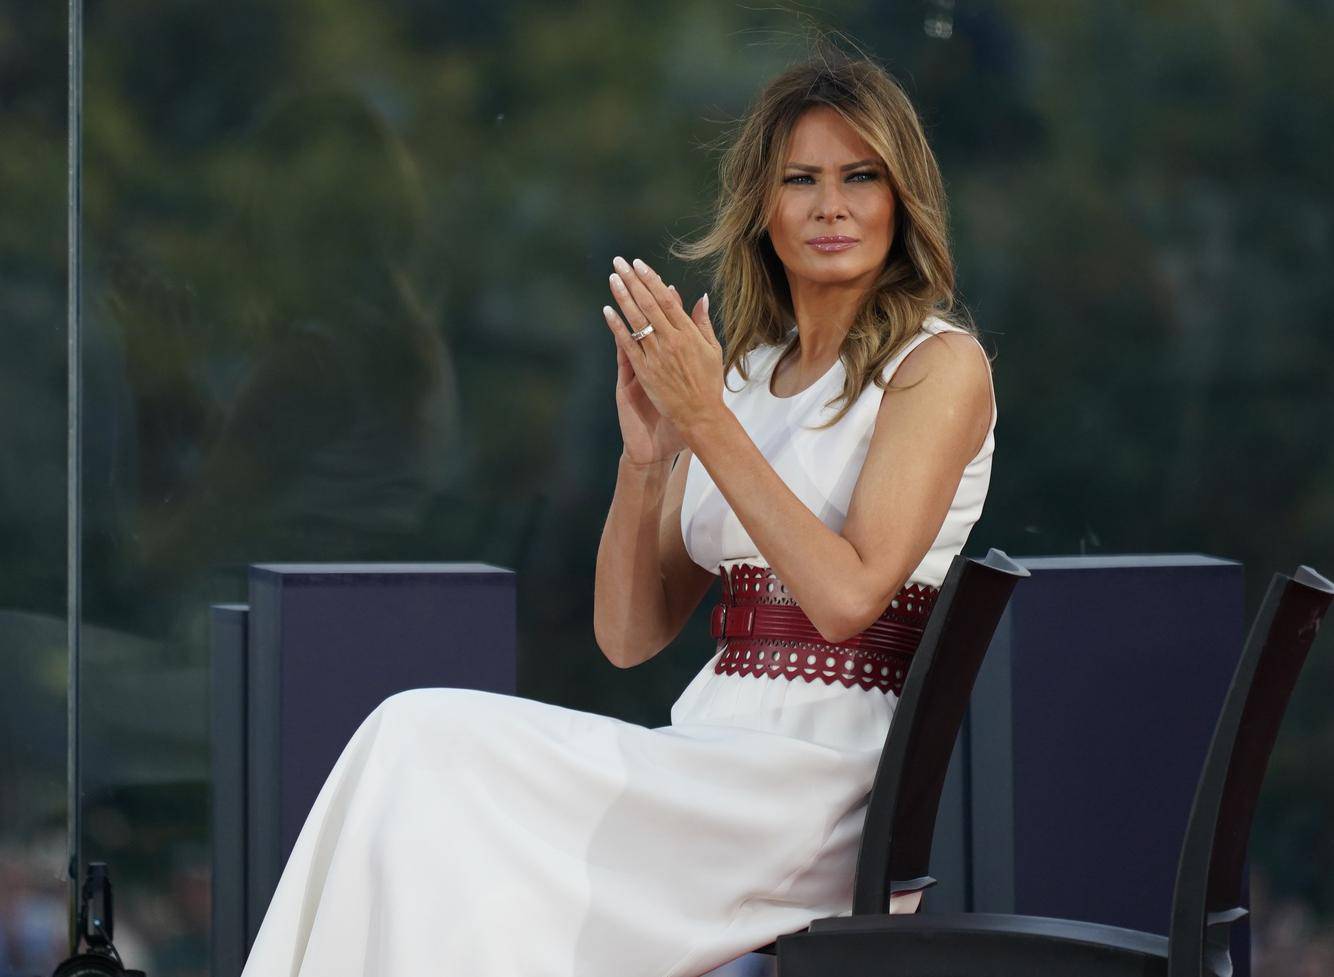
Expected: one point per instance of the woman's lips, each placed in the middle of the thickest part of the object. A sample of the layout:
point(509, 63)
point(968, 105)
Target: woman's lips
point(830, 246)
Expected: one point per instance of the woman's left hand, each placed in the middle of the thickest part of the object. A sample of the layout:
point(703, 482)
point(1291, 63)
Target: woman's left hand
point(680, 363)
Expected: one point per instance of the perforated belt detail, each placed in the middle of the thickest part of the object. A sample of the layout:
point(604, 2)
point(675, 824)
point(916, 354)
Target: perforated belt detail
point(768, 635)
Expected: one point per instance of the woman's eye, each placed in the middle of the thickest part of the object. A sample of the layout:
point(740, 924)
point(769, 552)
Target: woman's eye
point(867, 173)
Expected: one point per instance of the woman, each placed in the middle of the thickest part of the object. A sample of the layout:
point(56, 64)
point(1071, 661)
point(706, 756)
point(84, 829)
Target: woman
point(465, 832)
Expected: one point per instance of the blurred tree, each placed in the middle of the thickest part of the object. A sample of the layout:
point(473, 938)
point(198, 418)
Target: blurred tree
point(344, 265)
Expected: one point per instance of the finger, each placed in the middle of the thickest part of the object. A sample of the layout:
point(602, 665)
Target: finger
point(620, 290)
point(625, 371)
point(679, 306)
point(661, 297)
point(630, 348)
point(700, 316)
point(677, 301)
point(650, 294)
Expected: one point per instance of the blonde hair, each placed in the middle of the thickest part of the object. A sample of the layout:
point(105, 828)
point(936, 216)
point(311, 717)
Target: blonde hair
point(917, 280)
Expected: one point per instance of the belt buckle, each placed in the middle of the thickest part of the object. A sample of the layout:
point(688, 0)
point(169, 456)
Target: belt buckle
point(740, 623)
point(717, 620)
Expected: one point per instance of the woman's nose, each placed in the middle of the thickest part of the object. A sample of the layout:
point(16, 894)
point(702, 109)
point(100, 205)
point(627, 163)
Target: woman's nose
point(831, 203)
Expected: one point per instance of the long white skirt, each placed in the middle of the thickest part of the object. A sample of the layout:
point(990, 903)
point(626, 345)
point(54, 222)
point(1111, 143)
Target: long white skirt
point(464, 833)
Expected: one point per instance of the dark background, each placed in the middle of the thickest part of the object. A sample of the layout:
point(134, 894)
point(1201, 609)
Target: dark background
point(343, 266)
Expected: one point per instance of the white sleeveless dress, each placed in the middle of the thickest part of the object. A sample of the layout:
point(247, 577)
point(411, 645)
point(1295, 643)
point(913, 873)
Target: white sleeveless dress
point(464, 833)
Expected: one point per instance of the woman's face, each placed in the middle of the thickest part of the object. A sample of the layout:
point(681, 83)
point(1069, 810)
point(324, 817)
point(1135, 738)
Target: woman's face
point(834, 185)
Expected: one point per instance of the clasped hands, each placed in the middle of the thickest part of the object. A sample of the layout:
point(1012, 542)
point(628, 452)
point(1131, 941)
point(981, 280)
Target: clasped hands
point(680, 364)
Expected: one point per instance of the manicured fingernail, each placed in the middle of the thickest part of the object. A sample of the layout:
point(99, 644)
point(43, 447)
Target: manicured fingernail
point(616, 282)
point(620, 264)
point(607, 313)
point(706, 301)
point(642, 268)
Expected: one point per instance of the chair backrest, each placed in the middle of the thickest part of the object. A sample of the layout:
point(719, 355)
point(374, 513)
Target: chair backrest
point(1207, 895)
point(901, 812)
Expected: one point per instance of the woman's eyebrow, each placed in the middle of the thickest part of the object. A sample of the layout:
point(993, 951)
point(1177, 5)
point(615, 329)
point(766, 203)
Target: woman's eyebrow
point(846, 166)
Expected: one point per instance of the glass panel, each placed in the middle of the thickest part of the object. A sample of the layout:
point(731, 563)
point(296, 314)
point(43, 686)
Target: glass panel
point(33, 658)
point(344, 271)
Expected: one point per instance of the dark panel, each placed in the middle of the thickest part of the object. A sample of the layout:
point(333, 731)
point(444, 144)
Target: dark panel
point(1118, 667)
point(991, 772)
point(327, 645)
point(951, 864)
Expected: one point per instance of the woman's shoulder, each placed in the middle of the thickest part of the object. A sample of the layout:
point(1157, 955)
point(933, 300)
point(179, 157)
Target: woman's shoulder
point(960, 336)
point(961, 358)
point(935, 324)
point(903, 367)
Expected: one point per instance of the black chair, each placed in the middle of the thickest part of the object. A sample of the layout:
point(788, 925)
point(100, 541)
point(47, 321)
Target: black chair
point(926, 723)
point(1207, 895)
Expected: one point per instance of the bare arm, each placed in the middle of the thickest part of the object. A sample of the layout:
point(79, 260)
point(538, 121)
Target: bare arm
point(646, 585)
point(923, 440)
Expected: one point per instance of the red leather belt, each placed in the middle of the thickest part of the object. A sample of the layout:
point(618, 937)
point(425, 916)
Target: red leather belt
point(768, 635)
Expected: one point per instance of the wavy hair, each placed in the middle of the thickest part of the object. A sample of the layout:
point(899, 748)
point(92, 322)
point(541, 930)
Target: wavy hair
point(917, 280)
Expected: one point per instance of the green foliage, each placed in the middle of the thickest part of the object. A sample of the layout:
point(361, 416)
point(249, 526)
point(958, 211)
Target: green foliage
point(344, 263)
